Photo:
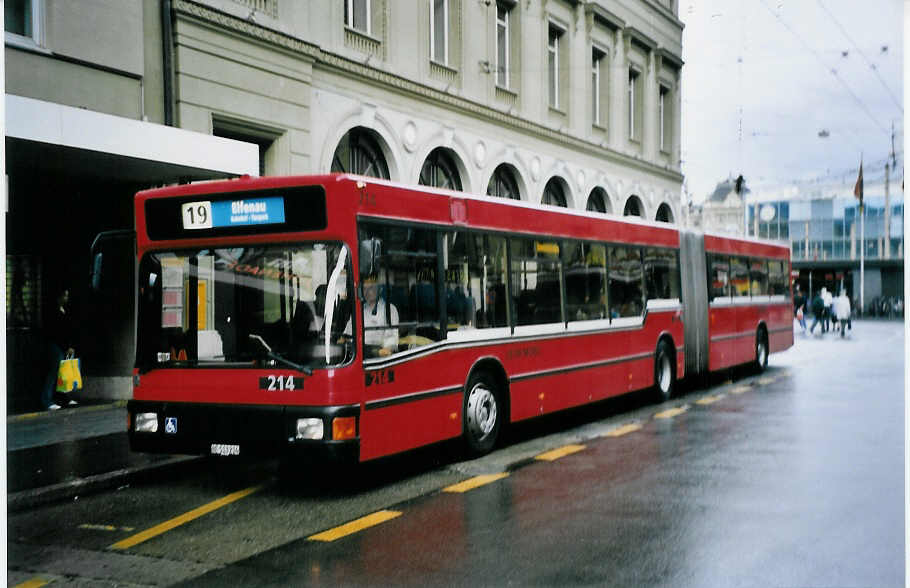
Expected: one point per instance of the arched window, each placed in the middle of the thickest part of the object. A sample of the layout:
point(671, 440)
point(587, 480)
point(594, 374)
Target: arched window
point(633, 207)
point(554, 194)
point(597, 201)
point(502, 183)
point(358, 152)
point(439, 170)
point(664, 213)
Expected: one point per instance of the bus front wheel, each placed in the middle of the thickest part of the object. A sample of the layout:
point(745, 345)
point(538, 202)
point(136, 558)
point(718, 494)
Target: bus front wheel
point(482, 414)
point(664, 372)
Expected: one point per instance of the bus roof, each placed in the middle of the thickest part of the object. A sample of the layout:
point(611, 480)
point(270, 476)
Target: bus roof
point(490, 212)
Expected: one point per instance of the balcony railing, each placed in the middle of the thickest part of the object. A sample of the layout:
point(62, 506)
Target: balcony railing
point(362, 42)
point(269, 7)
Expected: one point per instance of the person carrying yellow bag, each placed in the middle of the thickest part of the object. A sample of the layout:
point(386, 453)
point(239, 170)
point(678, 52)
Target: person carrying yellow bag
point(69, 375)
point(60, 346)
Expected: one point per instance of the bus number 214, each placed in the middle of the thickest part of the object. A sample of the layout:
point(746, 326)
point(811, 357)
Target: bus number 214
point(279, 383)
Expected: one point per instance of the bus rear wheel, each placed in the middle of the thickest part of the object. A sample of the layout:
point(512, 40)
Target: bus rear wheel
point(664, 372)
point(482, 414)
point(761, 351)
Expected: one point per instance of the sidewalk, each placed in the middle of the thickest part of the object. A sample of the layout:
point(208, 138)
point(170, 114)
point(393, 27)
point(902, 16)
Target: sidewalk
point(57, 455)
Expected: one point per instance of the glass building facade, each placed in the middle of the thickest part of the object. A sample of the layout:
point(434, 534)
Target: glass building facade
point(828, 229)
point(824, 233)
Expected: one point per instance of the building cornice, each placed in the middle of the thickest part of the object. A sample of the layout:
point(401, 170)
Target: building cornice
point(386, 80)
point(670, 57)
point(646, 42)
point(666, 13)
point(605, 16)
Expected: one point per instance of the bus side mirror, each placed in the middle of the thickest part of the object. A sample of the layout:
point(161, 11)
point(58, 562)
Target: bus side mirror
point(111, 254)
point(370, 250)
point(97, 270)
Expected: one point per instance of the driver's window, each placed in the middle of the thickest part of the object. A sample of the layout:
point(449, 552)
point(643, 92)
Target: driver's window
point(401, 305)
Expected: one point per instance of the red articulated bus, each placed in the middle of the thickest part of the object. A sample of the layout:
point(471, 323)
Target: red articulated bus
point(351, 318)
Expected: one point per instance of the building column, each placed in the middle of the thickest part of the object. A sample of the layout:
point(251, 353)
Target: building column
point(580, 75)
point(649, 132)
point(619, 94)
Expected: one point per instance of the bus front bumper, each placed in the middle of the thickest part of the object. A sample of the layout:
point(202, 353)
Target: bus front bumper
point(246, 430)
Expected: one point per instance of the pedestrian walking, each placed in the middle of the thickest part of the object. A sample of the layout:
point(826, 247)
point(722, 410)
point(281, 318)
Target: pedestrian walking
point(799, 308)
point(818, 312)
point(60, 335)
point(828, 297)
point(842, 312)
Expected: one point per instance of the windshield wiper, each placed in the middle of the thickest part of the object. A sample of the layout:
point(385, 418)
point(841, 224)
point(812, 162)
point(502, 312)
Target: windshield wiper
point(272, 355)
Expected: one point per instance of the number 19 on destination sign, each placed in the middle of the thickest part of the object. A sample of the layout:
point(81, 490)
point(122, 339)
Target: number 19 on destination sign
point(197, 215)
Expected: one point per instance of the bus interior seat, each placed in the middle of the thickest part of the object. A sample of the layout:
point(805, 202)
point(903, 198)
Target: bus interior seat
point(547, 309)
point(423, 301)
point(525, 306)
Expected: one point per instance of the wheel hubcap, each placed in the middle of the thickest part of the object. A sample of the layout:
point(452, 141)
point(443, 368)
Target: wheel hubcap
point(481, 413)
point(762, 353)
point(665, 373)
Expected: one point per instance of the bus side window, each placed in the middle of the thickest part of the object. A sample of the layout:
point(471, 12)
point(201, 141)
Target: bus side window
point(758, 276)
point(739, 277)
point(626, 296)
point(475, 281)
point(661, 275)
point(719, 276)
point(536, 288)
point(404, 312)
point(585, 275)
point(777, 280)
point(459, 276)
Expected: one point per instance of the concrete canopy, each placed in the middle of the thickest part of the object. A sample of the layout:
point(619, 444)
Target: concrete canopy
point(49, 137)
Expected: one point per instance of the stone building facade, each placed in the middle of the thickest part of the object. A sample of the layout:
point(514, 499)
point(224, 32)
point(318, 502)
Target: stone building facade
point(566, 102)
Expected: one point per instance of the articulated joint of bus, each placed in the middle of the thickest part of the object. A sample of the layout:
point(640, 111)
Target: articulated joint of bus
point(307, 432)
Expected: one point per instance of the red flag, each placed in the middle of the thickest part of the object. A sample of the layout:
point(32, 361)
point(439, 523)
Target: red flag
point(858, 188)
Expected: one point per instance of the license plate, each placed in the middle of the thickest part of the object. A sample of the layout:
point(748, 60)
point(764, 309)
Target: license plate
point(224, 449)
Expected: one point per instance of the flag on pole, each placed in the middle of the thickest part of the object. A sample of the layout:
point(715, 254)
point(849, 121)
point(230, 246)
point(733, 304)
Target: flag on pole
point(858, 188)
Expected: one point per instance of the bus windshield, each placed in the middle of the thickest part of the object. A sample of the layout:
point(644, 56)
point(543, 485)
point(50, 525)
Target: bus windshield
point(245, 306)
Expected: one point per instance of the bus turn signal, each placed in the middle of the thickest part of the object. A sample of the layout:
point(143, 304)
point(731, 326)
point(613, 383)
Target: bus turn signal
point(344, 428)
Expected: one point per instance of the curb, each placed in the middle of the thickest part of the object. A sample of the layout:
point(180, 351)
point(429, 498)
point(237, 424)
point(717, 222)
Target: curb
point(29, 416)
point(91, 484)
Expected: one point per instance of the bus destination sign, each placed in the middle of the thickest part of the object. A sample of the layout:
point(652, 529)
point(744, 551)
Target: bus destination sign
point(206, 214)
point(252, 212)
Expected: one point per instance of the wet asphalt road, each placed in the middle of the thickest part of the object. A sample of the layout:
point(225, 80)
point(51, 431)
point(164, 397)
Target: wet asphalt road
point(792, 478)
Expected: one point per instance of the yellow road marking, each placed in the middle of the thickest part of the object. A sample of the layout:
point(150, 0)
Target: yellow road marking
point(673, 412)
point(623, 430)
point(475, 482)
point(92, 527)
point(33, 583)
point(560, 452)
point(764, 381)
point(741, 389)
point(709, 400)
point(184, 518)
point(360, 524)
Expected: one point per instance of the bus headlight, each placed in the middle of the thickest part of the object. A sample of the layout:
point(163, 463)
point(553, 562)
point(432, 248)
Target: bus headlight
point(146, 422)
point(310, 429)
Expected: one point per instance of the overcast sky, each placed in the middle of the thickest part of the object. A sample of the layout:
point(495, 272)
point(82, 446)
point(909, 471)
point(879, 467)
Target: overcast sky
point(758, 89)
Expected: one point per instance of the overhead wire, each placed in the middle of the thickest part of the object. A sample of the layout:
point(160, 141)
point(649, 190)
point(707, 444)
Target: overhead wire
point(872, 66)
point(832, 70)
